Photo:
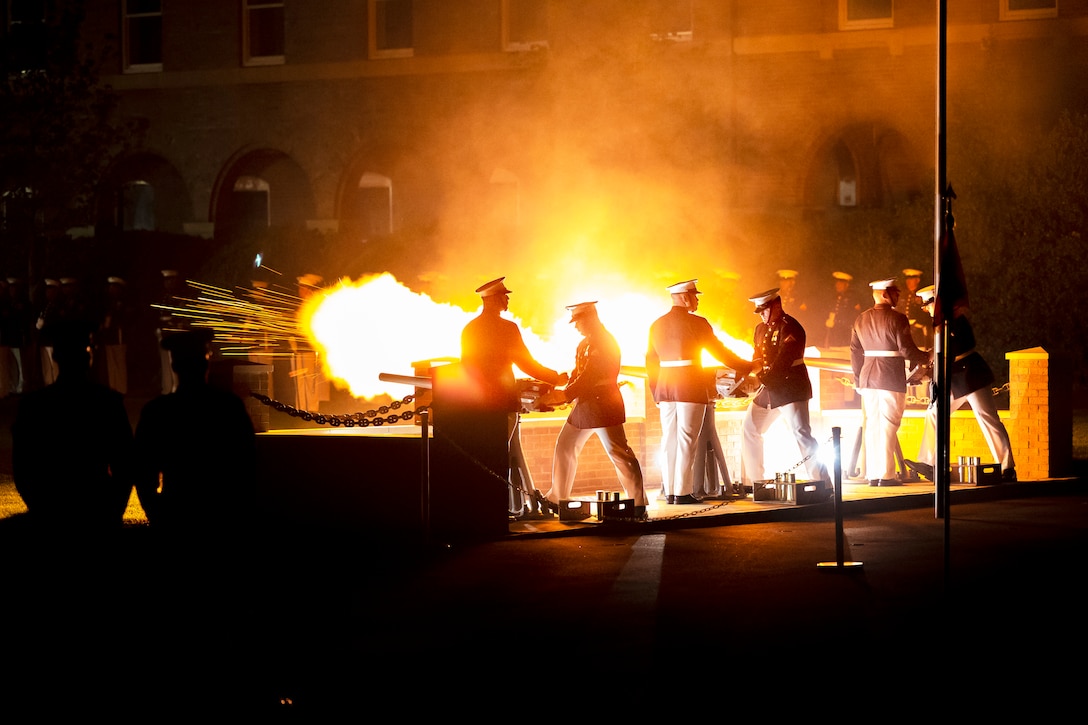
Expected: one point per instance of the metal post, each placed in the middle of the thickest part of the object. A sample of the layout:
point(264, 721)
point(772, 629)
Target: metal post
point(839, 542)
point(840, 545)
point(425, 476)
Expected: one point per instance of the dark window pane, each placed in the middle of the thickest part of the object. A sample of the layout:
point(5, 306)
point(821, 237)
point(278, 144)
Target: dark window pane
point(528, 20)
point(134, 7)
point(266, 32)
point(145, 40)
point(27, 11)
point(394, 24)
point(1017, 5)
point(868, 9)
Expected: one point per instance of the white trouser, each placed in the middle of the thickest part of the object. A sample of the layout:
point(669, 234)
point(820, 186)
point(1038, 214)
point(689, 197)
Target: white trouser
point(565, 461)
point(710, 457)
point(758, 420)
point(883, 414)
point(993, 430)
point(680, 426)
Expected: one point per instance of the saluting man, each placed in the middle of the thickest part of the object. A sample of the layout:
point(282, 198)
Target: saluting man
point(779, 364)
point(679, 384)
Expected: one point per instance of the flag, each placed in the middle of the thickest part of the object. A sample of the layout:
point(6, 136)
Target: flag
point(951, 282)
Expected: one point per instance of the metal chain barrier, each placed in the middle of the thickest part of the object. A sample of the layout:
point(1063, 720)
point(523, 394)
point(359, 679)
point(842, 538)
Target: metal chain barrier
point(362, 420)
point(687, 514)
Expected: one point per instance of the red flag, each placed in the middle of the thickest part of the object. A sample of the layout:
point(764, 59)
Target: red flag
point(951, 284)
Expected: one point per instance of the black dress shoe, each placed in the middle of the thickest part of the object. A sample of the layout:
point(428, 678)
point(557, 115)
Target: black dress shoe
point(670, 499)
point(885, 482)
point(922, 469)
point(685, 499)
point(874, 482)
point(544, 505)
point(1008, 475)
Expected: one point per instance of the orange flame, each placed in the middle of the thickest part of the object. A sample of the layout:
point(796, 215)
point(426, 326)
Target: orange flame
point(374, 325)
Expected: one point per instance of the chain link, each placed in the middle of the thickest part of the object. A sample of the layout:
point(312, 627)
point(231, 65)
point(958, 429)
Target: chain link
point(351, 420)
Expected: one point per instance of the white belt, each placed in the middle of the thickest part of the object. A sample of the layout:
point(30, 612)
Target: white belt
point(962, 355)
point(677, 363)
point(798, 361)
point(882, 353)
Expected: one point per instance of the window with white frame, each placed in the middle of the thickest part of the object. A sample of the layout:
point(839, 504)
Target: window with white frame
point(865, 14)
point(1028, 9)
point(262, 32)
point(141, 30)
point(389, 28)
point(375, 205)
point(524, 24)
point(250, 204)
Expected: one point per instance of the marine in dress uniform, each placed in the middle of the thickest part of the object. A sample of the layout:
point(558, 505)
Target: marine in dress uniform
point(880, 347)
point(311, 386)
point(779, 364)
point(48, 315)
point(490, 346)
point(844, 310)
point(113, 336)
point(910, 304)
point(679, 384)
point(787, 290)
point(168, 324)
point(14, 329)
point(970, 378)
point(598, 409)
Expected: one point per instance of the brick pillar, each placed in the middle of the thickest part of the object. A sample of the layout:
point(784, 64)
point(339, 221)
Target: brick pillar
point(1040, 420)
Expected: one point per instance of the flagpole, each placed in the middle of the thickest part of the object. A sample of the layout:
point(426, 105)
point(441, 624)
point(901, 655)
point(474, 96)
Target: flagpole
point(941, 468)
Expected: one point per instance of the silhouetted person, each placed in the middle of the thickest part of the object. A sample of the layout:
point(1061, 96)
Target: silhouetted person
point(195, 480)
point(490, 346)
point(72, 443)
point(114, 330)
point(195, 448)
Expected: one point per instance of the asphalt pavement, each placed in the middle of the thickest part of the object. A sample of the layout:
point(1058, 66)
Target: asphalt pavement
point(748, 611)
point(729, 614)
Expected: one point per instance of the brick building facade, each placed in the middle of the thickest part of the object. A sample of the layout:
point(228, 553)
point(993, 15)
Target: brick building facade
point(722, 126)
